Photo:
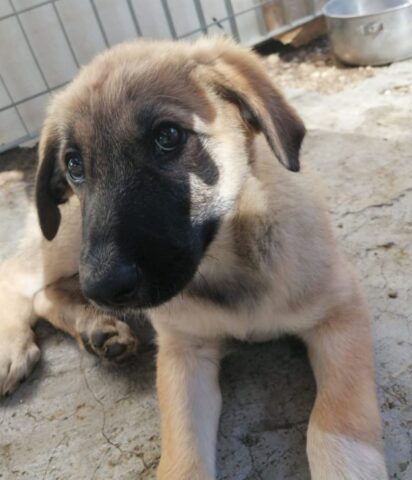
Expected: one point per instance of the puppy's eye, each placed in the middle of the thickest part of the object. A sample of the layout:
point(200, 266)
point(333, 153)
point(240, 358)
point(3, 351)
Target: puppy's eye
point(168, 137)
point(75, 168)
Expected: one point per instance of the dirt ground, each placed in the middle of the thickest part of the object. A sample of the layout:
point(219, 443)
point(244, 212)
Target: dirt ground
point(78, 419)
point(314, 68)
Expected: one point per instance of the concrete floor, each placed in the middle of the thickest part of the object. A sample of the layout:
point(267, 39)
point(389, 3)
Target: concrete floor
point(77, 419)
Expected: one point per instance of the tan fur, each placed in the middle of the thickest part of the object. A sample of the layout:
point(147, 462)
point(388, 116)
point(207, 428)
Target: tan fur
point(274, 236)
point(64, 306)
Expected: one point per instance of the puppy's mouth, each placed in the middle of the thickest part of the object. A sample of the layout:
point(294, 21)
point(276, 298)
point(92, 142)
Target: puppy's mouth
point(121, 312)
point(117, 296)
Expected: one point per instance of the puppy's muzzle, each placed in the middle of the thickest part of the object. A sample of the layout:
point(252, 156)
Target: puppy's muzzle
point(117, 286)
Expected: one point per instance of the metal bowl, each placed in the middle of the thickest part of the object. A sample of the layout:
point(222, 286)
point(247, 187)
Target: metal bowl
point(370, 32)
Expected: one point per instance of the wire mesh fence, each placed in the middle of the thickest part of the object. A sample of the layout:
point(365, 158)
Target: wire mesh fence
point(44, 43)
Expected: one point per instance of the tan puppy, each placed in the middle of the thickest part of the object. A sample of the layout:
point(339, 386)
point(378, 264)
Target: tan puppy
point(170, 149)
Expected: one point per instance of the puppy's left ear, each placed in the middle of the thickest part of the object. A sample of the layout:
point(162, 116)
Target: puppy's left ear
point(240, 77)
point(52, 188)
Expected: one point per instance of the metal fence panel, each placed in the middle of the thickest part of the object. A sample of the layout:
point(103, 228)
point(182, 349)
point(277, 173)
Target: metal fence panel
point(44, 42)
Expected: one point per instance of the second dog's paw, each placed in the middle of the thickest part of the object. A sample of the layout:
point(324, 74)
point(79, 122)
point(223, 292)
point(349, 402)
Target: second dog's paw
point(109, 338)
point(18, 355)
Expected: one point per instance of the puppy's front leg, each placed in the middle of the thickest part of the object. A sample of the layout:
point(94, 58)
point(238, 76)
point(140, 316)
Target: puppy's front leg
point(18, 351)
point(190, 402)
point(344, 435)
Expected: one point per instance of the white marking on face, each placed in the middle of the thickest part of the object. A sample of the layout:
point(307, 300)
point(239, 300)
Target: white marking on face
point(226, 147)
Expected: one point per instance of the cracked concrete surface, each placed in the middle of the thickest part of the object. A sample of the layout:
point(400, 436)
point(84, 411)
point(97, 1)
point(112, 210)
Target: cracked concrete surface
point(77, 419)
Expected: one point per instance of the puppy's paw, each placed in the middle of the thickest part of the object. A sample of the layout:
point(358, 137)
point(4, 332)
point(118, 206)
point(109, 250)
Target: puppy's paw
point(109, 338)
point(18, 355)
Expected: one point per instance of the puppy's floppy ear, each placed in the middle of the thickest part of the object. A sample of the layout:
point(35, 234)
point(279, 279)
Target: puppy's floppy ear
point(52, 188)
point(239, 76)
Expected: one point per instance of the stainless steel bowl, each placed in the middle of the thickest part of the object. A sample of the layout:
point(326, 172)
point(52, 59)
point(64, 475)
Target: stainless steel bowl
point(370, 32)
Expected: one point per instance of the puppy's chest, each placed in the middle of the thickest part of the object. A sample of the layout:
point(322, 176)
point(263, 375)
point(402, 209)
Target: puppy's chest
point(260, 322)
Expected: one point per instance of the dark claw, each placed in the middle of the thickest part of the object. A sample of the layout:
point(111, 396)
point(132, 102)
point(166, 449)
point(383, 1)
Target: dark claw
point(86, 343)
point(115, 350)
point(99, 338)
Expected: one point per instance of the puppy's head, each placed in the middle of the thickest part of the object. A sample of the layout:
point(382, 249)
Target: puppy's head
point(155, 139)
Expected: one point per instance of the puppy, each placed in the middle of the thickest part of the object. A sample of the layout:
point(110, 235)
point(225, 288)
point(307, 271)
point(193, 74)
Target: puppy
point(172, 167)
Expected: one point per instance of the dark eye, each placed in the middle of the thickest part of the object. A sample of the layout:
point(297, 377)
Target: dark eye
point(75, 168)
point(168, 137)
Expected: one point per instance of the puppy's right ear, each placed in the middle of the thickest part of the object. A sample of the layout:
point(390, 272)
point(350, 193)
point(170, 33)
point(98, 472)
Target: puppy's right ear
point(52, 188)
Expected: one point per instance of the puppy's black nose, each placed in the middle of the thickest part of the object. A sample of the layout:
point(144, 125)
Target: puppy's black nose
point(117, 287)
